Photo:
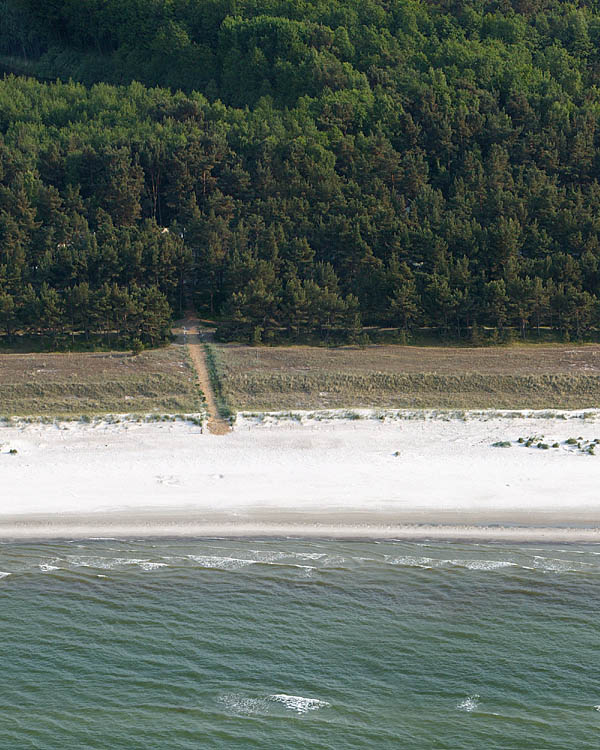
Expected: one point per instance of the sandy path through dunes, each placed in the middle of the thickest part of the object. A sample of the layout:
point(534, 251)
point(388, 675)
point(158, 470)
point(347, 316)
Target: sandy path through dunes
point(193, 338)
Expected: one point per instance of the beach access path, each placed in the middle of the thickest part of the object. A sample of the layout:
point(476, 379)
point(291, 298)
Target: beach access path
point(193, 335)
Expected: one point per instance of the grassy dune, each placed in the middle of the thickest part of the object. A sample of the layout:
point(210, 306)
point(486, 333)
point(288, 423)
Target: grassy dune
point(548, 377)
point(90, 384)
point(284, 378)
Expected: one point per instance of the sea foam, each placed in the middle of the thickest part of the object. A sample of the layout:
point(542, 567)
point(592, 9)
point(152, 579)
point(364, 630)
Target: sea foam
point(224, 563)
point(298, 703)
point(429, 562)
point(48, 568)
point(483, 564)
point(147, 565)
point(241, 704)
point(470, 703)
point(112, 563)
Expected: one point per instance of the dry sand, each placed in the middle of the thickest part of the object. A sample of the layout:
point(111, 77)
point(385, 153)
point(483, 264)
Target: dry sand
point(400, 477)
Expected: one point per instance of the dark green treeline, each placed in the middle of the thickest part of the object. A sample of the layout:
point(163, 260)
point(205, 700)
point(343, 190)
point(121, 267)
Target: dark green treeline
point(308, 167)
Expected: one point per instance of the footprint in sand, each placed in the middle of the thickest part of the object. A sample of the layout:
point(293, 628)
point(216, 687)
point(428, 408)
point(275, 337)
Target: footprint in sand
point(169, 479)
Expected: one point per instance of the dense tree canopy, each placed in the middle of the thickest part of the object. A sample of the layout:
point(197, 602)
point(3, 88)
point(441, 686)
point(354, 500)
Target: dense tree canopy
point(307, 166)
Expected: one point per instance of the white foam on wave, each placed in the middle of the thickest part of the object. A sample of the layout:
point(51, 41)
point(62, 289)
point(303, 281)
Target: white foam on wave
point(47, 567)
point(412, 562)
point(104, 563)
point(235, 563)
point(111, 563)
point(152, 565)
point(558, 565)
point(298, 703)
point(102, 538)
point(483, 564)
point(430, 562)
point(307, 570)
point(3, 574)
point(260, 557)
point(313, 555)
point(223, 563)
point(267, 556)
point(241, 704)
point(470, 703)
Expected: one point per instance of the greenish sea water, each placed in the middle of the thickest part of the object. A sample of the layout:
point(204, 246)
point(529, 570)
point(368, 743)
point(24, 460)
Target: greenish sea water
point(180, 645)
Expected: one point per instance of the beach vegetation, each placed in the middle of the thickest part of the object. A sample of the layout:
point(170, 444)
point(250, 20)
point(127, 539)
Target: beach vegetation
point(214, 367)
point(85, 385)
point(136, 346)
point(389, 376)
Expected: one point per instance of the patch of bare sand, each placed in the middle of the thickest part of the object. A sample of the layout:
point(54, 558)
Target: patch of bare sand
point(353, 478)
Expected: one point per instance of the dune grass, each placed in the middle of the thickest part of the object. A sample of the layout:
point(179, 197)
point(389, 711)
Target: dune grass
point(407, 377)
point(215, 373)
point(66, 385)
point(287, 378)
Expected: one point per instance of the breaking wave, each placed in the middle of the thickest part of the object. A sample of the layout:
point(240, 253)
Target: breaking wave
point(470, 703)
point(430, 562)
point(113, 563)
point(243, 704)
point(223, 563)
point(298, 703)
point(47, 567)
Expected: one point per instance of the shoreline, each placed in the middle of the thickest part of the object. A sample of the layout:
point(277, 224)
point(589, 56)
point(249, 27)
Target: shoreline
point(150, 524)
point(312, 475)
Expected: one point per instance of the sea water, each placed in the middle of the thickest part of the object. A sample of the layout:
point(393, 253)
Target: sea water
point(298, 644)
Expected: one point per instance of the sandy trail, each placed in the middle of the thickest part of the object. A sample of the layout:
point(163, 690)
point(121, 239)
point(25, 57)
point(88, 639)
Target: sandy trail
point(193, 338)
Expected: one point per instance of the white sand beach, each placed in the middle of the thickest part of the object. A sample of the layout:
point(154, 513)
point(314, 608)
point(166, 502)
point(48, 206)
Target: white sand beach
point(405, 476)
